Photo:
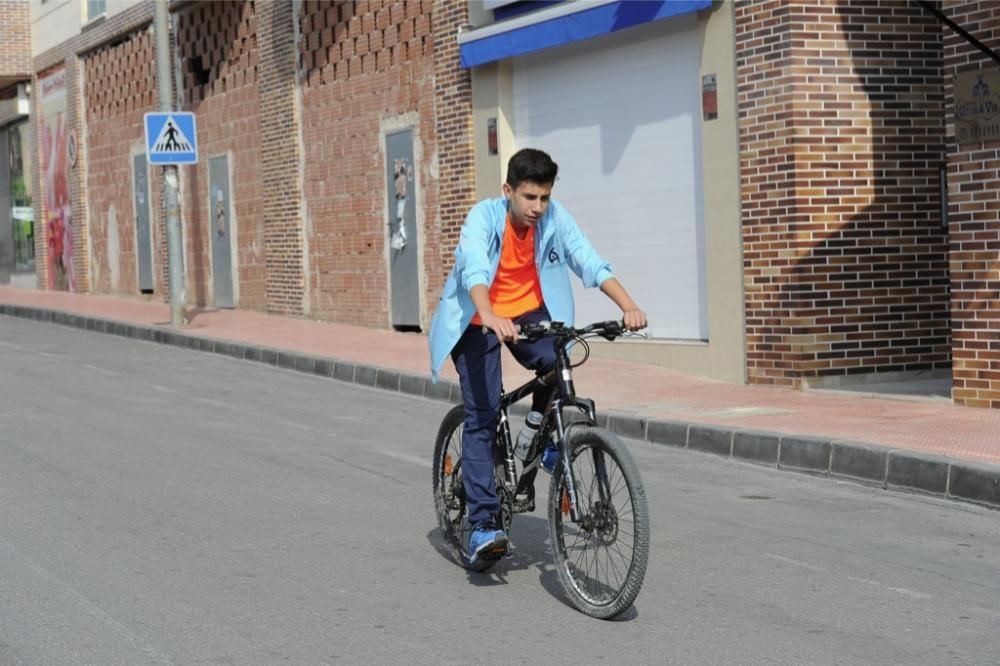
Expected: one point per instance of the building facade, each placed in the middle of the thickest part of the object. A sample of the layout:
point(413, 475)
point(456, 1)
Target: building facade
point(798, 193)
point(17, 258)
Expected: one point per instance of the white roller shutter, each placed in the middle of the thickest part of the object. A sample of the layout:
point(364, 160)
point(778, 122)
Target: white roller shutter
point(620, 114)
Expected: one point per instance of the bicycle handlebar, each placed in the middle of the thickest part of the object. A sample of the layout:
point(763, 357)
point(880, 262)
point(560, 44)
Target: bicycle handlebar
point(609, 330)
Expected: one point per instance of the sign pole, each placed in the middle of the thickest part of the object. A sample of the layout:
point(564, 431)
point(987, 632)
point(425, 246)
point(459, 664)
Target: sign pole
point(170, 197)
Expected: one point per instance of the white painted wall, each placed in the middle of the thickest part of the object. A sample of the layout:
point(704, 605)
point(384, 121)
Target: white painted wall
point(55, 21)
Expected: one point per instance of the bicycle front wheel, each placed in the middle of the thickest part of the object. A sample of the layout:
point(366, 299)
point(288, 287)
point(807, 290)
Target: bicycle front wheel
point(601, 560)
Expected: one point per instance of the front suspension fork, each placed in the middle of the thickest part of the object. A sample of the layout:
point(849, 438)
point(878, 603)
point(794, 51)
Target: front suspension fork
point(507, 448)
point(587, 406)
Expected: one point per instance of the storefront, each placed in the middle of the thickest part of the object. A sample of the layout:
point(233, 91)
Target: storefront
point(635, 101)
point(17, 239)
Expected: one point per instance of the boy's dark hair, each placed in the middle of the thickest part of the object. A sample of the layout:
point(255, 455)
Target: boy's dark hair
point(531, 165)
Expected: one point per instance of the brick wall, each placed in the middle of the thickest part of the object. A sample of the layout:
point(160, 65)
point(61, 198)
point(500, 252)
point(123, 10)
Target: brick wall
point(15, 44)
point(280, 159)
point(453, 106)
point(973, 182)
point(65, 55)
point(368, 67)
point(119, 87)
point(363, 65)
point(217, 53)
point(842, 136)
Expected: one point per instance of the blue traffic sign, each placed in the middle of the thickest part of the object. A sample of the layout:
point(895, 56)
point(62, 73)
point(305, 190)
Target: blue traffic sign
point(171, 138)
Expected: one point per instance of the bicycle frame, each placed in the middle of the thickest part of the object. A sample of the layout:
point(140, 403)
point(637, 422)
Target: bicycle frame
point(561, 377)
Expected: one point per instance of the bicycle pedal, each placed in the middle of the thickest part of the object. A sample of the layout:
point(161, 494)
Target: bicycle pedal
point(524, 505)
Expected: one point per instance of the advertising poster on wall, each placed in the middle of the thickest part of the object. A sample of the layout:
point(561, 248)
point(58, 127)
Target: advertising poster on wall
point(57, 215)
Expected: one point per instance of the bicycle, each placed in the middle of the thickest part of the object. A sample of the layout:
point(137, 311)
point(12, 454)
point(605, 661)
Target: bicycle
point(597, 514)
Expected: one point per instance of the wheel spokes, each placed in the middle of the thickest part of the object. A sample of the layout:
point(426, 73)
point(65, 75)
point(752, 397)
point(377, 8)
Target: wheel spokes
point(601, 548)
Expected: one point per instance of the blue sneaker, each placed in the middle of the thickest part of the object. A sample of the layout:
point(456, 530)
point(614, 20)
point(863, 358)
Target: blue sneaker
point(550, 458)
point(487, 544)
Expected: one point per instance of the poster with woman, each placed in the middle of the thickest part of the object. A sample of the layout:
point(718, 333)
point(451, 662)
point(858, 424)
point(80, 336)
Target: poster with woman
point(57, 215)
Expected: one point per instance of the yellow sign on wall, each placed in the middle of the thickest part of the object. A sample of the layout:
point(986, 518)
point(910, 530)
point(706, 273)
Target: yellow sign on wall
point(977, 106)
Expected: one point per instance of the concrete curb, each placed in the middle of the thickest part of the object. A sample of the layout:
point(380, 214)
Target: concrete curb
point(888, 468)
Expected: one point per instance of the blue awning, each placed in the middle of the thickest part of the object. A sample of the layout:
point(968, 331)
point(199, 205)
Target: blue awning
point(563, 24)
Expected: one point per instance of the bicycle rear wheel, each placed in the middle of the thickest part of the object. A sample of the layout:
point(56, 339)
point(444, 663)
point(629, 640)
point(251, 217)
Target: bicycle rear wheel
point(449, 493)
point(601, 561)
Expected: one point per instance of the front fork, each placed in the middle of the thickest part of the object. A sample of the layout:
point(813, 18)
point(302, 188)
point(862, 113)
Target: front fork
point(507, 446)
point(562, 430)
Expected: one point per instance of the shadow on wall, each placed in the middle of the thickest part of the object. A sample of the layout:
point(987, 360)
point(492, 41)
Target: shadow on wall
point(672, 41)
point(868, 282)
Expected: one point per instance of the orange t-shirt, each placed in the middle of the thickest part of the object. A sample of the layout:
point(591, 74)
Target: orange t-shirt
point(515, 289)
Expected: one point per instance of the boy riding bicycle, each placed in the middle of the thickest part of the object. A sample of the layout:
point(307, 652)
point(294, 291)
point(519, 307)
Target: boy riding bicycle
point(510, 268)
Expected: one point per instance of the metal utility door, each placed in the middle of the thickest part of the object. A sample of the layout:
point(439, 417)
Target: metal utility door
point(219, 213)
point(143, 240)
point(402, 224)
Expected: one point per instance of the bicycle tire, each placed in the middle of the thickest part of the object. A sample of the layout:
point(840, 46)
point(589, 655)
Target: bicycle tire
point(618, 530)
point(449, 493)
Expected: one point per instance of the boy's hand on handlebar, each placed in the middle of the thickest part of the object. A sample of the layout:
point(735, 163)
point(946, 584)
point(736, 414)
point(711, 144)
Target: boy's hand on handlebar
point(634, 320)
point(503, 327)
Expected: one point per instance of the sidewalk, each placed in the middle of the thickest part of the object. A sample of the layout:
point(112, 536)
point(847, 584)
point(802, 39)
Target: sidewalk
point(930, 446)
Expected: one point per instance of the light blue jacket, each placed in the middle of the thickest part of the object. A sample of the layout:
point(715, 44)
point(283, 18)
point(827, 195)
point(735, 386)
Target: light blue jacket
point(558, 243)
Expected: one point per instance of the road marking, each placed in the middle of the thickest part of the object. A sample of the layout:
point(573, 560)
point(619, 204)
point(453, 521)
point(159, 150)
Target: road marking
point(864, 581)
point(101, 370)
point(225, 405)
point(788, 560)
point(405, 457)
point(10, 344)
point(86, 604)
point(369, 470)
point(214, 403)
point(48, 355)
point(163, 389)
point(899, 590)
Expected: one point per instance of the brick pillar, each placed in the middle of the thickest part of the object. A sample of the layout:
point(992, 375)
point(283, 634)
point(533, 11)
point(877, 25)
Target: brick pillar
point(765, 94)
point(973, 184)
point(842, 136)
point(281, 159)
point(453, 116)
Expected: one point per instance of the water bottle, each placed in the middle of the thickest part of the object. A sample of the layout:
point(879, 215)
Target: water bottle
point(527, 434)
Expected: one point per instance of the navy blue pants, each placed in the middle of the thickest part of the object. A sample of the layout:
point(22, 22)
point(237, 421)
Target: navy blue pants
point(477, 359)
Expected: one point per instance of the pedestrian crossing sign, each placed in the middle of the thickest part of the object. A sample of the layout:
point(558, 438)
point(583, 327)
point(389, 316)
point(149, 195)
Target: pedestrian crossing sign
point(171, 138)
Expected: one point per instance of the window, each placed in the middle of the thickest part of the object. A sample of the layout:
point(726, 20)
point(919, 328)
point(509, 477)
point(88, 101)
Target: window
point(96, 8)
point(22, 215)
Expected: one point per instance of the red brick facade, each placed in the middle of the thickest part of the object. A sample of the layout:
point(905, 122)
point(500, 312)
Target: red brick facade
point(15, 44)
point(119, 87)
point(453, 106)
point(281, 159)
point(366, 67)
point(217, 51)
point(974, 205)
point(842, 138)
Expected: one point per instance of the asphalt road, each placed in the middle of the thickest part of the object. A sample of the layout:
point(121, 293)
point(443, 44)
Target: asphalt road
point(160, 506)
